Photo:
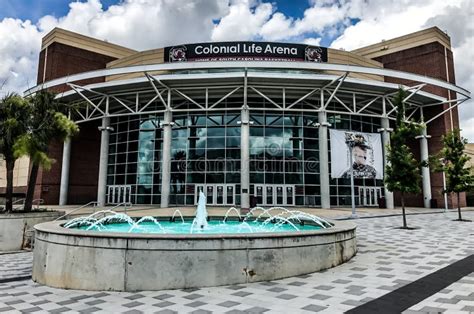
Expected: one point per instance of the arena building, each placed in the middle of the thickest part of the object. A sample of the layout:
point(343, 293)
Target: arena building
point(248, 123)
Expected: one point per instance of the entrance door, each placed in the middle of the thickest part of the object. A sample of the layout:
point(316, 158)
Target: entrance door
point(279, 197)
point(118, 194)
point(259, 194)
point(369, 196)
point(216, 194)
point(230, 195)
point(269, 195)
point(219, 195)
point(210, 194)
point(290, 195)
point(275, 195)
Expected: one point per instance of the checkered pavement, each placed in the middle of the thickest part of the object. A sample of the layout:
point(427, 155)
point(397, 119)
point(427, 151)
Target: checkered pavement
point(15, 265)
point(388, 258)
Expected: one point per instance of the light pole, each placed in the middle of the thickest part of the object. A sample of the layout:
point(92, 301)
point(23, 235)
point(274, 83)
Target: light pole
point(443, 161)
point(350, 141)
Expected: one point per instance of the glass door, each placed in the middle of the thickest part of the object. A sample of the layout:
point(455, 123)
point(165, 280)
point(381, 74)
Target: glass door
point(369, 196)
point(279, 197)
point(219, 195)
point(110, 194)
point(259, 194)
point(290, 195)
point(269, 195)
point(117, 194)
point(209, 194)
point(230, 195)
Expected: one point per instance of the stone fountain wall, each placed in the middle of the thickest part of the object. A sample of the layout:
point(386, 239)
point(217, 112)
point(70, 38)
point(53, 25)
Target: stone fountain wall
point(75, 259)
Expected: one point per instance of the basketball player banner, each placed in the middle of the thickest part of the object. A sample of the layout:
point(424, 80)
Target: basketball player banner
point(367, 154)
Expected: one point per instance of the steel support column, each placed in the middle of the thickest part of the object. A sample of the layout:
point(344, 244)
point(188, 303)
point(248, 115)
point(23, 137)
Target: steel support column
point(386, 143)
point(63, 189)
point(104, 155)
point(323, 159)
point(425, 171)
point(245, 152)
point(166, 159)
point(244, 161)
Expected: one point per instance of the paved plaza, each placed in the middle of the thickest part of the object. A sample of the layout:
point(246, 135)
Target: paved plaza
point(390, 261)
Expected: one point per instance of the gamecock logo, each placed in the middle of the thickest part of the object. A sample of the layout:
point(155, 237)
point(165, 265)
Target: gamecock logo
point(178, 54)
point(313, 54)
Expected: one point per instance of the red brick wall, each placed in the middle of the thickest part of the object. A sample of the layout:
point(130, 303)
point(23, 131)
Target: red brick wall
point(63, 60)
point(429, 60)
point(84, 171)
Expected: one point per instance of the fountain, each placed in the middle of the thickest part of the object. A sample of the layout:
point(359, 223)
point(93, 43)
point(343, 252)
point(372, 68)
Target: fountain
point(155, 253)
point(201, 213)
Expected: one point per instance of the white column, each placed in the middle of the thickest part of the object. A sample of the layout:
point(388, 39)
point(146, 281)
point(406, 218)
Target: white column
point(104, 155)
point(244, 160)
point(63, 189)
point(425, 171)
point(386, 143)
point(166, 160)
point(323, 160)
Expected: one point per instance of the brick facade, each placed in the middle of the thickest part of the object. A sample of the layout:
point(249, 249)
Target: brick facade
point(435, 61)
point(63, 60)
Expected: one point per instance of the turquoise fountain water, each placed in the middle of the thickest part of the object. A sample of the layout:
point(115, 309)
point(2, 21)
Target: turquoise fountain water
point(274, 219)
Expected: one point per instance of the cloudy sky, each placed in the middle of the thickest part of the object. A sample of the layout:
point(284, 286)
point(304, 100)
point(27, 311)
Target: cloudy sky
point(145, 24)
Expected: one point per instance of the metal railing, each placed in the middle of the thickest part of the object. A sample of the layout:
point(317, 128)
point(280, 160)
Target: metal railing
point(124, 204)
point(40, 202)
point(22, 200)
point(93, 203)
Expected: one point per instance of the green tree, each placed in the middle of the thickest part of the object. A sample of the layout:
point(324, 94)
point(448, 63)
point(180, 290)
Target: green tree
point(402, 172)
point(14, 111)
point(46, 123)
point(459, 177)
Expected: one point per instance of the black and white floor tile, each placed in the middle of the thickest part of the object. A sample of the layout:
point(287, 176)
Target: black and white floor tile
point(388, 259)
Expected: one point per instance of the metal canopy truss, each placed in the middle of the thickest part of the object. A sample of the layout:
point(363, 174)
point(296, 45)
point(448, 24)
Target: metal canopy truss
point(260, 90)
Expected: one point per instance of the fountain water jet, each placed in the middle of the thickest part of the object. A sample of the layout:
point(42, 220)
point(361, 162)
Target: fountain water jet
point(201, 213)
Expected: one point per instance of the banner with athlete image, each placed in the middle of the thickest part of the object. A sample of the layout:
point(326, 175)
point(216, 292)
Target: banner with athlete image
point(367, 154)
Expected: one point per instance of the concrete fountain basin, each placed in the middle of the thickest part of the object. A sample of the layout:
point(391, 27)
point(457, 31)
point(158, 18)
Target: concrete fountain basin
point(86, 260)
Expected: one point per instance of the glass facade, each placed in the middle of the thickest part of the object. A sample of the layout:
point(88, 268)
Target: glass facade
point(340, 189)
point(135, 157)
point(284, 150)
point(205, 154)
point(205, 149)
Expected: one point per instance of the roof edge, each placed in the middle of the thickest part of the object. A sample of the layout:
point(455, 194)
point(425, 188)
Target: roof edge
point(59, 35)
point(385, 47)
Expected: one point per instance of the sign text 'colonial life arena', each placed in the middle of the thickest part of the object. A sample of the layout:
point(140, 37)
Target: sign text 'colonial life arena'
point(245, 51)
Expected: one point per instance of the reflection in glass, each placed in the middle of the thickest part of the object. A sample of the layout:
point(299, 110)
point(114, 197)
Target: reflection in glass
point(146, 150)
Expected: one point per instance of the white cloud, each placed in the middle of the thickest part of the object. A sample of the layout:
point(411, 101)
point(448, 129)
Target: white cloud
point(142, 24)
point(138, 24)
point(19, 48)
point(459, 24)
point(313, 41)
point(318, 18)
point(384, 19)
point(380, 20)
point(243, 22)
point(277, 28)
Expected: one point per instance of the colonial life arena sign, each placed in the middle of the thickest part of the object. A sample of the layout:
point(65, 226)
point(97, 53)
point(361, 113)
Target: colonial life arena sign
point(245, 51)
